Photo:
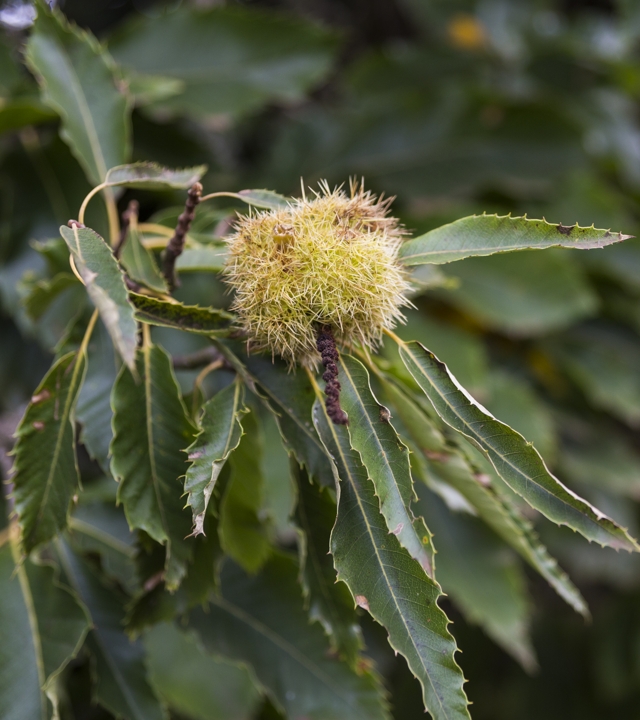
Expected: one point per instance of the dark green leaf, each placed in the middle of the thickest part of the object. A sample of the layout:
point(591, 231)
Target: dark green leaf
point(151, 429)
point(140, 263)
point(260, 620)
point(105, 284)
point(151, 176)
point(330, 602)
point(386, 459)
point(78, 81)
point(515, 460)
point(93, 410)
point(483, 579)
point(44, 292)
point(46, 470)
point(489, 234)
point(232, 60)
point(196, 684)
point(387, 582)
point(220, 432)
point(290, 398)
point(43, 627)
point(172, 314)
point(446, 469)
point(244, 531)
point(522, 294)
point(121, 676)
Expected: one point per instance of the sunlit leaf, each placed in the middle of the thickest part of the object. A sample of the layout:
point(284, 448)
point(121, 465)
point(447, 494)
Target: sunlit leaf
point(151, 176)
point(489, 234)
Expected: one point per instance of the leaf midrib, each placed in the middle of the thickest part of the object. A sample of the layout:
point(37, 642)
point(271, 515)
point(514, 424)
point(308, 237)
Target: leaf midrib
point(472, 435)
point(380, 563)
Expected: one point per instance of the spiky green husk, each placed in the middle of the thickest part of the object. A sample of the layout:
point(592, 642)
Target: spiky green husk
point(329, 260)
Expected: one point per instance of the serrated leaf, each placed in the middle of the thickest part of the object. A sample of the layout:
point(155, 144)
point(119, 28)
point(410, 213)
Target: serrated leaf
point(290, 399)
point(445, 464)
point(45, 469)
point(260, 620)
point(93, 410)
point(78, 80)
point(220, 432)
point(199, 685)
point(121, 676)
point(173, 314)
point(43, 628)
point(139, 262)
point(516, 461)
point(387, 582)
point(151, 428)
point(330, 602)
point(243, 528)
point(482, 578)
point(105, 285)
point(489, 234)
point(151, 176)
point(386, 459)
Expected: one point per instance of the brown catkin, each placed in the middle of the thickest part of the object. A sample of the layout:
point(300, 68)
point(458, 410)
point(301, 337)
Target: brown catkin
point(175, 246)
point(326, 344)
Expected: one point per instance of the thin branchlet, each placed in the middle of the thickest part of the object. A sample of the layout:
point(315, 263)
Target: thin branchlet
point(175, 246)
point(326, 344)
point(127, 216)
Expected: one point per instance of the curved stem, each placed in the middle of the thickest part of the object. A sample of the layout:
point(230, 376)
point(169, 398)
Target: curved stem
point(211, 196)
point(74, 269)
point(87, 200)
point(112, 210)
point(155, 228)
point(394, 337)
point(197, 385)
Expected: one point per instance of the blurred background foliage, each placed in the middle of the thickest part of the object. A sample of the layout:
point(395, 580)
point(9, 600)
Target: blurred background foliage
point(455, 107)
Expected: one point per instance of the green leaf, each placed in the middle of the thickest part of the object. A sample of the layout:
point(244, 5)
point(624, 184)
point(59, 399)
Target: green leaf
point(105, 285)
point(203, 258)
point(220, 432)
point(386, 459)
point(330, 602)
point(489, 234)
point(200, 686)
point(151, 428)
point(121, 677)
point(78, 81)
point(266, 199)
point(140, 263)
point(93, 410)
point(45, 469)
point(260, 620)
point(603, 360)
point(151, 176)
point(232, 60)
point(172, 314)
point(43, 628)
point(290, 398)
point(515, 460)
point(387, 582)
point(447, 468)
point(244, 531)
point(43, 292)
point(522, 294)
point(482, 578)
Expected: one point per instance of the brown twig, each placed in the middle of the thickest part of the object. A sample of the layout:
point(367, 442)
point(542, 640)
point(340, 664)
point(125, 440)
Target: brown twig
point(175, 246)
point(127, 216)
point(326, 344)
